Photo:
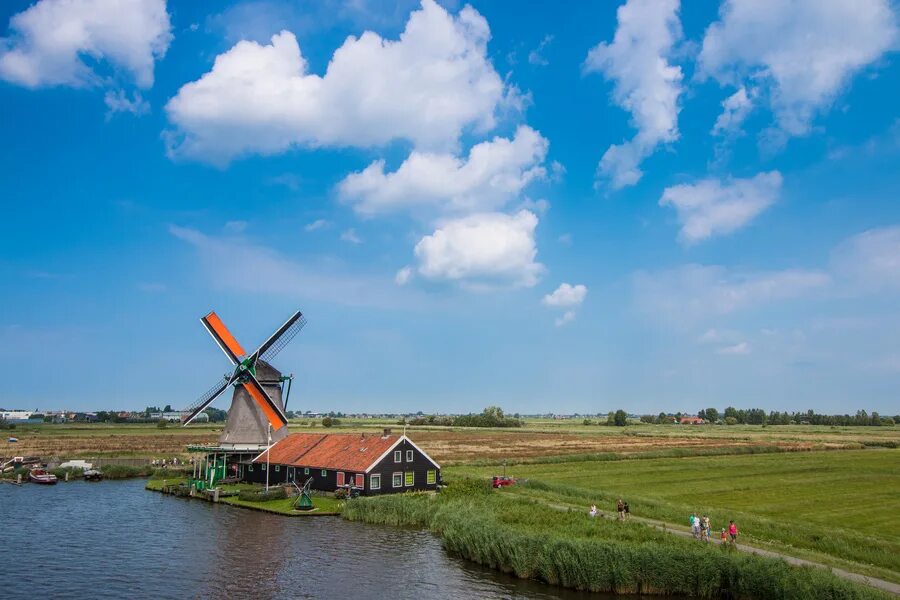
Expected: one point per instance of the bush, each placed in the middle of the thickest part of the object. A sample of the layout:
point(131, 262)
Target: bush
point(730, 421)
point(587, 422)
point(341, 494)
point(162, 424)
point(127, 472)
point(275, 493)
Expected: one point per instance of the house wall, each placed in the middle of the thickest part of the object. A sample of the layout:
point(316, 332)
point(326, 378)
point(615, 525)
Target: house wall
point(387, 467)
point(420, 465)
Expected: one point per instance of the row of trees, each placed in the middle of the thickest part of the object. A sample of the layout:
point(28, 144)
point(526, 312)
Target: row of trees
point(492, 416)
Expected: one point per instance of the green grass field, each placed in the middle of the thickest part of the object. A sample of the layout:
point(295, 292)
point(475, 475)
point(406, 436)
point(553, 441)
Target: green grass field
point(840, 504)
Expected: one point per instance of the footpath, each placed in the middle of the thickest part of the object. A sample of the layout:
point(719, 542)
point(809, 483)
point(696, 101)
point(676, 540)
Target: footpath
point(874, 582)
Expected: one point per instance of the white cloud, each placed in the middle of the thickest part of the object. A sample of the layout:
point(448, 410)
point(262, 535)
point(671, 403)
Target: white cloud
point(566, 295)
point(695, 293)
point(118, 102)
point(803, 53)
point(316, 225)
point(870, 260)
point(403, 276)
point(735, 109)
point(482, 251)
point(351, 236)
point(567, 317)
point(739, 349)
point(535, 57)
point(426, 87)
point(236, 226)
point(713, 207)
point(646, 84)
point(59, 42)
point(494, 172)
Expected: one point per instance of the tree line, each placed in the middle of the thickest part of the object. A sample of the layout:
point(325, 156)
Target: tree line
point(758, 416)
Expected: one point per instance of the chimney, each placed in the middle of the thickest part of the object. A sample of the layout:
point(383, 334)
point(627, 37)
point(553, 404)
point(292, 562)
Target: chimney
point(387, 432)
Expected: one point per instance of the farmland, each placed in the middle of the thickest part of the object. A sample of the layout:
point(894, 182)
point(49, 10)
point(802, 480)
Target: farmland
point(827, 505)
point(538, 440)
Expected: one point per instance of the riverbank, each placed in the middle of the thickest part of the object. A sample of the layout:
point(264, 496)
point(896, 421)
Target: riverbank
point(570, 549)
point(230, 495)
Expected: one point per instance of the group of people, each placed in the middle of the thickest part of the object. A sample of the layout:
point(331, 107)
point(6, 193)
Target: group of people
point(700, 526)
point(702, 530)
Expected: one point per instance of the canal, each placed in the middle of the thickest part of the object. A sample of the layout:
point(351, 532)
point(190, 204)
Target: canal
point(114, 539)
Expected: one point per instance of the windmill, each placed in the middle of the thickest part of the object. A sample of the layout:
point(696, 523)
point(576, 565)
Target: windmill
point(256, 417)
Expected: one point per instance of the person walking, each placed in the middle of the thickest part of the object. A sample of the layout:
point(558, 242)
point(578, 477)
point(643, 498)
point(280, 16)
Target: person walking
point(706, 529)
point(695, 526)
point(732, 532)
point(724, 537)
point(627, 511)
point(620, 508)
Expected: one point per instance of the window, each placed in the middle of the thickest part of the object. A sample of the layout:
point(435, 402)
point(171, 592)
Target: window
point(250, 468)
point(263, 467)
point(306, 471)
point(431, 477)
point(410, 478)
point(360, 480)
point(324, 473)
point(398, 480)
point(398, 456)
point(409, 456)
point(375, 481)
point(278, 468)
point(340, 478)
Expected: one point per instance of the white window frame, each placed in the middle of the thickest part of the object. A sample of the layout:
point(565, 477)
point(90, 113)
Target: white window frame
point(278, 468)
point(413, 484)
point(409, 456)
point(324, 472)
point(264, 466)
point(375, 481)
point(398, 456)
point(431, 474)
point(394, 477)
point(306, 470)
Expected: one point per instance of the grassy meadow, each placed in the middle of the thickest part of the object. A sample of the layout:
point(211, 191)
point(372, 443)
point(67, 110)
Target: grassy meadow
point(838, 507)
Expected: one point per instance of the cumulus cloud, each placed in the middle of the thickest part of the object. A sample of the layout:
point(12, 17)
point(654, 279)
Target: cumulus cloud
point(494, 172)
point(566, 318)
point(566, 295)
point(694, 293)
point(63, 42)
point(870, 260)
point(482, 251)
point(403, 276)
point(735, 109)
point(351, 236)
point(802, 53)
point(426, 87)
point(118, 102)
point(316, 225)
point(713, 207)
point(646, 84)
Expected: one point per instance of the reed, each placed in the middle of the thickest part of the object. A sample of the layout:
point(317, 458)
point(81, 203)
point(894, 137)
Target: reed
point(572, 550)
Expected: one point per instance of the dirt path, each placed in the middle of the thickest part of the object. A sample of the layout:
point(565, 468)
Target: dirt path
point(880, 584)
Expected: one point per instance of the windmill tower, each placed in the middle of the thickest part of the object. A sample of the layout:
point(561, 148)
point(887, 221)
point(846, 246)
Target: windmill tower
point(256, 417)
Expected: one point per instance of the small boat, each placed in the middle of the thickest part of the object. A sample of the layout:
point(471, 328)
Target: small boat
point(41, 476)
point(92, 475)
point(12, 440)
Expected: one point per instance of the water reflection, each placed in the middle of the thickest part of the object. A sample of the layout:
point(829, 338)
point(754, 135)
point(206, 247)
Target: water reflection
point(115, 540)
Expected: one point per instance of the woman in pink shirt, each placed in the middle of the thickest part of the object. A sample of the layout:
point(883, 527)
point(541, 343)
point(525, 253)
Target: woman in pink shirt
point(732, 532)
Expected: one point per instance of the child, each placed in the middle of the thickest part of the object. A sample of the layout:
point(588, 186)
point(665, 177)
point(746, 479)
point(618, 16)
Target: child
point(706, 528)
point(724, 537)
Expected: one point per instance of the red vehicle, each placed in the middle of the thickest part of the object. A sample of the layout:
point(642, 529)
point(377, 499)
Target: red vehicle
point(499, 481)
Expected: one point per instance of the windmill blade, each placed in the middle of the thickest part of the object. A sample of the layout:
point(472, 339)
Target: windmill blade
point(229, 345)
point(282, 336)
point(273, 413)
point(206, 399)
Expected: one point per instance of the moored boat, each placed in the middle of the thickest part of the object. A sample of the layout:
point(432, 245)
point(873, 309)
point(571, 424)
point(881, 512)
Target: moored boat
point(41, 476)
point(92, 475)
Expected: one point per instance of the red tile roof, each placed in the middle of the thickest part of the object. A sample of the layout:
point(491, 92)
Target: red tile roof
point(339, 451)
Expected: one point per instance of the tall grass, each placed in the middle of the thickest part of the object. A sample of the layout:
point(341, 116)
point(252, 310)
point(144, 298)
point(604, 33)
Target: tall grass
point(572, 550)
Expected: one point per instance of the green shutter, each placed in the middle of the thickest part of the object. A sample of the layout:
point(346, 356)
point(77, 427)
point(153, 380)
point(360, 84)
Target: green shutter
point(410, 477)
point(431, 477)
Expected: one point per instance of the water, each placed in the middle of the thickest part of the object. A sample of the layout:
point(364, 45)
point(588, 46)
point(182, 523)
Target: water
point(116, 540)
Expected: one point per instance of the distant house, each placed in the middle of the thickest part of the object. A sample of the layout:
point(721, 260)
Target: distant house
point(371, 464)
point(691, 421)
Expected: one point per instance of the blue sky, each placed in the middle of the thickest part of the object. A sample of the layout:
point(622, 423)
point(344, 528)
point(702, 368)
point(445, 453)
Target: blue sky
point(571, 209)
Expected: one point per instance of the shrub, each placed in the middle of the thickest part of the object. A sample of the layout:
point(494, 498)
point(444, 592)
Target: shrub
point(341, 494)
point(162, 424)
point(730, 421)
point(275, 493)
